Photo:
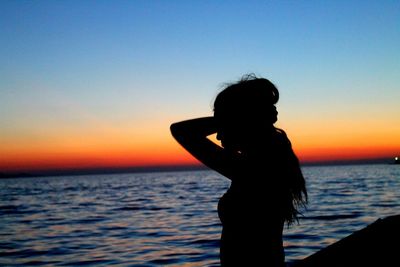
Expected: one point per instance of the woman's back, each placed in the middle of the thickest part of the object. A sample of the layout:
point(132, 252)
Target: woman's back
point(252, 210)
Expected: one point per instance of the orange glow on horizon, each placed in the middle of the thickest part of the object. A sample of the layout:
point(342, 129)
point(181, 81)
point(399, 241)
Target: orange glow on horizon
point(99, 157)
point(88, 160)
point(149, 147)
point(166, 156)
point(346, 154)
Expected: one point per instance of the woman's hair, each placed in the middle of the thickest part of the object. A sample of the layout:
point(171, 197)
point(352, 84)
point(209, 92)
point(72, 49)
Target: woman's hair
point(249, 95)
point(253, 98)
point(296, 192)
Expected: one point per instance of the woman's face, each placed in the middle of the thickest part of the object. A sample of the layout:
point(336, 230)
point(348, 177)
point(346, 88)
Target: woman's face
point(274, 114)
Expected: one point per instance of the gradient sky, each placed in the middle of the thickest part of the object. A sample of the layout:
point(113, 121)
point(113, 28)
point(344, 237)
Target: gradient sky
point(97, 83)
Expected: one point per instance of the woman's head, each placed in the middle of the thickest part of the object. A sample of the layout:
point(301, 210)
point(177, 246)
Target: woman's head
point(245, 108)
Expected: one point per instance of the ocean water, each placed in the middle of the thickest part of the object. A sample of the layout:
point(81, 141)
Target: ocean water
point(170, 219)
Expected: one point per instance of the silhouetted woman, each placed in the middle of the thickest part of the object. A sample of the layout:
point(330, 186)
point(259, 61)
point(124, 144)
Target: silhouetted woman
point(267, 185)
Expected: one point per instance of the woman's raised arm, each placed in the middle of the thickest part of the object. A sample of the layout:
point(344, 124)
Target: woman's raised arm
point(194, 128)
point(192, 135)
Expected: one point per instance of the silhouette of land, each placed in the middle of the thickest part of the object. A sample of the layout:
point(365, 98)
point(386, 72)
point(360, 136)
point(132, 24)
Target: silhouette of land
point(375, 245)
point(89, 171)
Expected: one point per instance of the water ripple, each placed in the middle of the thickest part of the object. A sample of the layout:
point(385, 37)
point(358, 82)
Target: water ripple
point(170, 219)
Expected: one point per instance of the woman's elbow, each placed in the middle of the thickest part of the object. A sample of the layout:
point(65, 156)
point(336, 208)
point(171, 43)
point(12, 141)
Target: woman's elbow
point(176, 130)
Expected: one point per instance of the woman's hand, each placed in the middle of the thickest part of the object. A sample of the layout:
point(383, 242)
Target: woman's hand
point(192, 135)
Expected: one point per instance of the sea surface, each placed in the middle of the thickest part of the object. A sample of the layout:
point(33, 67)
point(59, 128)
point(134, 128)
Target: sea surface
point(170, 218)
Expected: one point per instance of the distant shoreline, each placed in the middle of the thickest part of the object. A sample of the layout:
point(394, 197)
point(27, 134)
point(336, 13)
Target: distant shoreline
point(173, 168)
point(90, 171)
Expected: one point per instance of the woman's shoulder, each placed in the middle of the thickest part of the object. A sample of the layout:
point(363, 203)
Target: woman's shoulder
point(281, 136)
point(279, 133)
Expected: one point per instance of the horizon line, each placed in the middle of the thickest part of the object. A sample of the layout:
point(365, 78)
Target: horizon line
point(165, 168)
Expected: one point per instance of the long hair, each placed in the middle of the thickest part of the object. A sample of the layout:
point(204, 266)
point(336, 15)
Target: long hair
point(251, 100)
point(296, 186)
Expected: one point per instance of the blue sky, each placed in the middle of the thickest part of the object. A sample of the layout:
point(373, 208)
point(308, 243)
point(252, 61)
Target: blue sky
point(134, 62)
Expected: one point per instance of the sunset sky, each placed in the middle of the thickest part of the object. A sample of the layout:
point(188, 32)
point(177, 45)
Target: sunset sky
point(97, 83)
